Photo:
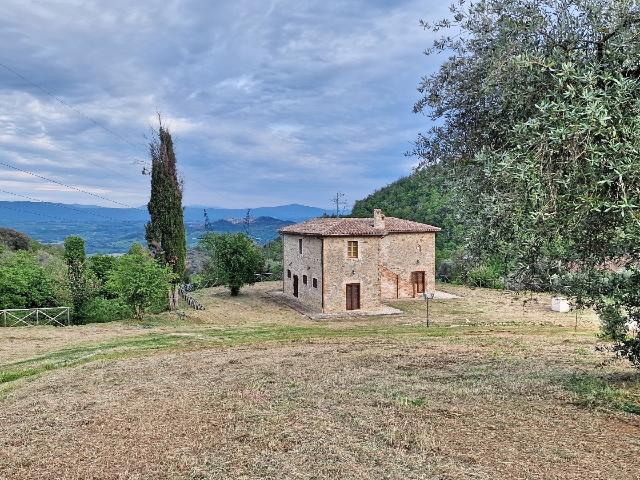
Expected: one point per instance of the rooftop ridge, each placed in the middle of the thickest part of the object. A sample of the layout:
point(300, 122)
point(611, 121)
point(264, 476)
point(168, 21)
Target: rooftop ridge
point(355, 226)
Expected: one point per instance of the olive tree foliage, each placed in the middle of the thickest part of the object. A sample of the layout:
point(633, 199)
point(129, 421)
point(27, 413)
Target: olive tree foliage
point(537, 108)
point(139, 280)
point(233, 260)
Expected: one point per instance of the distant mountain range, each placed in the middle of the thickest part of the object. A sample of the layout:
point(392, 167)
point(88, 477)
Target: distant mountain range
point(113, 230)
point(35, 211)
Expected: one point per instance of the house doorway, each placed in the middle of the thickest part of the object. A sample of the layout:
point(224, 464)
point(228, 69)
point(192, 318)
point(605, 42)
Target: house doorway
point(353, 296)
point(295, 285)
point(418, 283)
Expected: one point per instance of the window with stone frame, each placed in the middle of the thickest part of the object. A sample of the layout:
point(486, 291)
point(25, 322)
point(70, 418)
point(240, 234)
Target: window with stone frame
point(304, 279)
point(288, 273)
point(315, 283)
point(300, 246)
point(352, 249)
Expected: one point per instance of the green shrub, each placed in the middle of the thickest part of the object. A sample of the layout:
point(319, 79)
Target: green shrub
point(100, 266)
point(98, 310)
point(449, 270)
point(485, 276)
point(140, 282)
point(24, 283)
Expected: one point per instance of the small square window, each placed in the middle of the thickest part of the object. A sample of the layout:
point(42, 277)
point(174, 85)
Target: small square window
point(315, 283)
point(304, 279)
point(352, 249)
point(300, 246)
point(288, 273)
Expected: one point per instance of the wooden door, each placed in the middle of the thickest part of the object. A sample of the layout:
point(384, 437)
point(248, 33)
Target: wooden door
point(353, 296)
point(418, 283)
point(295, 285)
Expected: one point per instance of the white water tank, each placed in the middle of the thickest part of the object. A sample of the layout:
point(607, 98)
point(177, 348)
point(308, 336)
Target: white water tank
point(560, 304)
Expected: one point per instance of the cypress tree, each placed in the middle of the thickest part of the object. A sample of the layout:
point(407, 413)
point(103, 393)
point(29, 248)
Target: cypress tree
point(165, 232)
point(75, 256)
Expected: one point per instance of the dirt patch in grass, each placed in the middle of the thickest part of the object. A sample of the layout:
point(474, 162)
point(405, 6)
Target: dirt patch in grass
point(340, 409)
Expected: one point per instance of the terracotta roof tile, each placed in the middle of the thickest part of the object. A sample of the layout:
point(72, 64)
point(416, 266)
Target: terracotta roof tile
point(335, 227)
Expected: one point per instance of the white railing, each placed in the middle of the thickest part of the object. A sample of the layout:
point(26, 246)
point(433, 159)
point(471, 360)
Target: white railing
point(26, 317)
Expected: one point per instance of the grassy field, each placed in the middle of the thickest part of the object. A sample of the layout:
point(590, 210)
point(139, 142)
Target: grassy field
point(498, 387)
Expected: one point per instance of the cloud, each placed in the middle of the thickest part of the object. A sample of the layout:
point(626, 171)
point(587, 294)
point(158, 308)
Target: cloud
point(269, 101)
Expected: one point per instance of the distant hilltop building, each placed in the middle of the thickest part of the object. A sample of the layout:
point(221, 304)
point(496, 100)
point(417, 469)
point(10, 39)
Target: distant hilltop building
point(338, 264)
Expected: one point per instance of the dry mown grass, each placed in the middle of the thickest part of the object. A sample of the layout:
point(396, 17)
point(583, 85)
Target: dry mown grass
point(354, 398)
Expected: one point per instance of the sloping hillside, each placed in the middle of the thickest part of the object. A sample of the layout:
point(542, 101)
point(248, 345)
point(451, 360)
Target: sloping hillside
point(421, 197)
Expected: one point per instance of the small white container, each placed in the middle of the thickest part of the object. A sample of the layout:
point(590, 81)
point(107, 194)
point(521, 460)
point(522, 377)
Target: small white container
point(560, 304)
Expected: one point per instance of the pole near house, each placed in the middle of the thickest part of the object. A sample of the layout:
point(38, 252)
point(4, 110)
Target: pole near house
point(428, 296)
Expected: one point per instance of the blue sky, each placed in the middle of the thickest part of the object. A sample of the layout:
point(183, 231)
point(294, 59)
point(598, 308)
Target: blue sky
point(269, 102)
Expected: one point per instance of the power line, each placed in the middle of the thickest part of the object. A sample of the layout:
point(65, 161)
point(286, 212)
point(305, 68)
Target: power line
point(63, 205)
point(80, 112)
point(91, 119)
point(76, 110)
point(67, 186)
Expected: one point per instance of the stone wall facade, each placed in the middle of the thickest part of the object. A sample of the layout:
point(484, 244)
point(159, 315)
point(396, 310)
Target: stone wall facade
point(340, 270)
point(308, 263)
point(384, 268)
point(401, 254)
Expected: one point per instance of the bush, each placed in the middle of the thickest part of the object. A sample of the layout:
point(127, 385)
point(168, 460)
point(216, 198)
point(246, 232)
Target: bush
point(448, 271)
point(100, 266)
point(140, 282)
point(98, 310)
point(485, 276)
point(24, 283)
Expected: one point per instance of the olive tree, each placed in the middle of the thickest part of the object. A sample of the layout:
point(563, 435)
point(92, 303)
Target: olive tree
point(233, 260)
point(537, 108)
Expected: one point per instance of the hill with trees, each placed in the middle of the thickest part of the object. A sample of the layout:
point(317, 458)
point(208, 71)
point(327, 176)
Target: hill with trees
point(421, 197)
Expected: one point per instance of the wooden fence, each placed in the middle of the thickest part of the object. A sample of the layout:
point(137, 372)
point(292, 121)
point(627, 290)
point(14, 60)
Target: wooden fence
point(25, 317)
point(183, 291)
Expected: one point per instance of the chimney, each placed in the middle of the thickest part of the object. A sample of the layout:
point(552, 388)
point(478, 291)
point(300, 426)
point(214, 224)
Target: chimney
point(378, 218)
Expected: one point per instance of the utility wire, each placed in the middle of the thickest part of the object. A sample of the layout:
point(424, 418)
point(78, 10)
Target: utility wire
point(63, 205)
point(79, 112)
point(89, 118)
point(42, 177)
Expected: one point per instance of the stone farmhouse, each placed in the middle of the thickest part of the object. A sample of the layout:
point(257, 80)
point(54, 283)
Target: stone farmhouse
point(338, 264)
